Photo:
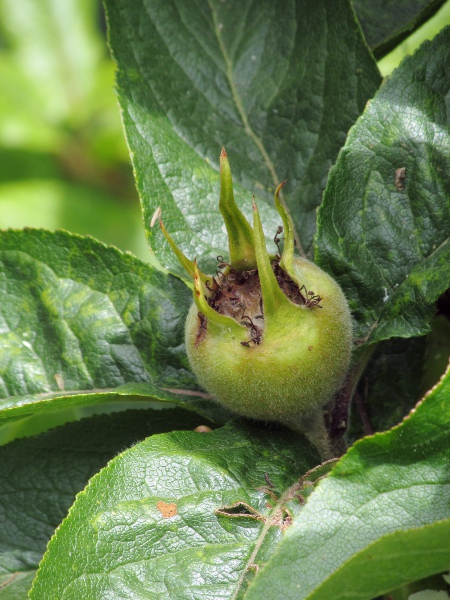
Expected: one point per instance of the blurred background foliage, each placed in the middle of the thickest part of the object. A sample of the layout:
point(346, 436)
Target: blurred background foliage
point(64, 162)
point(63, 158)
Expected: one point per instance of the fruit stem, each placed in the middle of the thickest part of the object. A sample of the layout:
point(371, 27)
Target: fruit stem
point(313, 427)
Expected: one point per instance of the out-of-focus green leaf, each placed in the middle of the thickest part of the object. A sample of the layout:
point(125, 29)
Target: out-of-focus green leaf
point(22, 123)
point(41, 475)
point(384, 225)
point(49, 203)
point(386, 24)
point(389, 483)
point(78, 316)
point(58, 47)
point(18, 164)
point(15, 586)
point(180, 515)
point(278, 85)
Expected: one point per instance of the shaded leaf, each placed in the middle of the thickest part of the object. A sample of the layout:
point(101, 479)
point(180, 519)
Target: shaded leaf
point(149, 524)
point(278, 85)
point(15, 586)
point(41, 475)
point(386, 24)
point(21, 416)
point(385, 484)
point(383, 227)
point(390, 385)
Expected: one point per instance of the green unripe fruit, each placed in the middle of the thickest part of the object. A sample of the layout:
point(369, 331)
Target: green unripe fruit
point(269, 336)
point(296, 366)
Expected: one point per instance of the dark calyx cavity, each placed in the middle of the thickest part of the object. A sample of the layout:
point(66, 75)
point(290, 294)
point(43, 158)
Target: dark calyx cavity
point(238, 295)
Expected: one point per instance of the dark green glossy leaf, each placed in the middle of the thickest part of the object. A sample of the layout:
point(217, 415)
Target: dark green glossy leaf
point(78, 316)
point(384, 223)
point(41, 475)
point(148, 525)
point(386, 24)
point(278, 85)
point(389, 483)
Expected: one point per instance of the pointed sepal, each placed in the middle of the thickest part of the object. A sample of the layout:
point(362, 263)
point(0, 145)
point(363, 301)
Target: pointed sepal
point(288, 248)
point(274, 299)
point(188, 265)
point(240, 234)
point(215, 319)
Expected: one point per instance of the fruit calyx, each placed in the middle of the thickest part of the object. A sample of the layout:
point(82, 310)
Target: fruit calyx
point(250, 293)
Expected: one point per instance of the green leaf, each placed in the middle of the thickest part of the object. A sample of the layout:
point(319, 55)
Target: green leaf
point(78, 316)
point(41, 475)
point(278, 86)
point(384, 225)
point(180, 515)
point(22, 416)
point(15, 586)
point(422, 551)
point(393, 482)
point(386, 24)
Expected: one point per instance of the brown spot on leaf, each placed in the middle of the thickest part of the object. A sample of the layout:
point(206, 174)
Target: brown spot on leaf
point(167, 510)
point(400, 176)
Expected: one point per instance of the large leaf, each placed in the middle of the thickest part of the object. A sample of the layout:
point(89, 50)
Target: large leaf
point(180, 515)
point(393, 482)
point(78, 316)
point(384, 225)
point(278, 85)
point(386, 24)
point(41, 475)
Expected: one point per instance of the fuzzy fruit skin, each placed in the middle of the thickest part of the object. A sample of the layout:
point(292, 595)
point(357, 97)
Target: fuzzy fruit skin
point(298, 365)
